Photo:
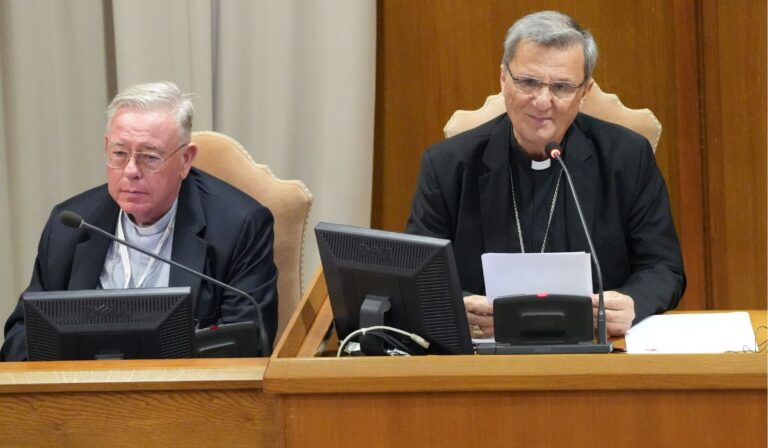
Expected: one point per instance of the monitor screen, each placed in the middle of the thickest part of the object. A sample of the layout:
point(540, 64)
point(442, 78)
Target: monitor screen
point(412, 280)
point(109, 324)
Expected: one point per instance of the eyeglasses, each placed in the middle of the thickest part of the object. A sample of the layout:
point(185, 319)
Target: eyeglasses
point(560, 89)
point(149, 161)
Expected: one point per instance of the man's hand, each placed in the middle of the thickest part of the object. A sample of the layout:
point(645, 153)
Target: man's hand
point(619, 312)
point(480, 316)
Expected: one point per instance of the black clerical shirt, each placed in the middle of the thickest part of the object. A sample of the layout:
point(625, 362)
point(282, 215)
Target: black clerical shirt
point(534, 190)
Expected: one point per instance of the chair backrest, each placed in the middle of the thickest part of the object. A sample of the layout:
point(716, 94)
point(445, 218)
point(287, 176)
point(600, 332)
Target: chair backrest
point(288, 200)
point(605, 106)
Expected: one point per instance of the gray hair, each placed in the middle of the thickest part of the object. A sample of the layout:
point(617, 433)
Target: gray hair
point(551, 29)
point(163, 95)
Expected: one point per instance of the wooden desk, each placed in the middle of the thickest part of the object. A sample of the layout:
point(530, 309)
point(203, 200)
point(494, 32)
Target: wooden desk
point(151, 403)
point(532, 401)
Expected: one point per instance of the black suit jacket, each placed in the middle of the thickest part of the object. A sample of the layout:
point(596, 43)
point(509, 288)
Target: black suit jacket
point(219, 231)
point(463, 195)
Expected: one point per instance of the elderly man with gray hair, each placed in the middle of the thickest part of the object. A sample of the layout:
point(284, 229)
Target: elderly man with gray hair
point(155, 199)
point(493, 189)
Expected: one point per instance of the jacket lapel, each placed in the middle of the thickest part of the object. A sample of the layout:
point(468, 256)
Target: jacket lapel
point(88, 258)
point(189, 249)
point(494, 192)
point(579, 156)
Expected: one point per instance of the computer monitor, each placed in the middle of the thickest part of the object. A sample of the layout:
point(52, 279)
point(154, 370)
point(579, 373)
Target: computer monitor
point(109, 324)
point(404, 281)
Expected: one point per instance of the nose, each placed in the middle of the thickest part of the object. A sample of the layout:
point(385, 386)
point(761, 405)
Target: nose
point(132, 169)
point(542, 99)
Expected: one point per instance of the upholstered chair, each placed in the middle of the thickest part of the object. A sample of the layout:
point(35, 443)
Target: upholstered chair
point(288, 200)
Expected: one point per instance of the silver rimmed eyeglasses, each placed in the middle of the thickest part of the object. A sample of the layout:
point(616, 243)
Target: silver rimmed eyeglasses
point(149, 161)
point(559, 89)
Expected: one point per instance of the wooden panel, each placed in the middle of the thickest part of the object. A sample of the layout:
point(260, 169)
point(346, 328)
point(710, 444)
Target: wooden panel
point(231, 418)
point(436, 57)
point(303, 319)
point(688, 160)
point(187, 402)
point(520, 372)
point(150, 374)
point(432, 58)
point(531, 401)
point(735, 115)
point(624, 418)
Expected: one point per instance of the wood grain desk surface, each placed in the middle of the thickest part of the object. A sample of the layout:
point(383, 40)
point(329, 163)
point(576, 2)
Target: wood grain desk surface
point(745, 371)
point(172, 402)
point(616, 399)
point(165, 374)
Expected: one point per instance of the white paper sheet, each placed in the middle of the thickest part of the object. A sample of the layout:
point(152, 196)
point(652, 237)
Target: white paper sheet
point(692, 333)
point(553, 273)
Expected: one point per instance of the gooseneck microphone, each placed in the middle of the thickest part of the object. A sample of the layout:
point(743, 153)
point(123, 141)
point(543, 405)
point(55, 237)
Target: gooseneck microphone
point(552, 150)
point(71, 219)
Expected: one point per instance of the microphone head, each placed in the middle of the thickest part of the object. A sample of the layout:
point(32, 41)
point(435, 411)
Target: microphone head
point(552, 150)
point(70, 219)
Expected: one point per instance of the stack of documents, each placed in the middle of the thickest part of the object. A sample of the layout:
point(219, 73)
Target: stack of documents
point(693, 333)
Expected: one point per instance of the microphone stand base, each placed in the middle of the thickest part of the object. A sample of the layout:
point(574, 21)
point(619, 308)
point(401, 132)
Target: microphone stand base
point(499, 348)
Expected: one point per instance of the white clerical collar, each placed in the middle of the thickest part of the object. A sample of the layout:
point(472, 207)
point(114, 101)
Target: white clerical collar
point(159, 227)
point(539, 166)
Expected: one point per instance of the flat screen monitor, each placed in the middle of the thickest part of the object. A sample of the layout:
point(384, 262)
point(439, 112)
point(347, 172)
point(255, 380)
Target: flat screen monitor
point(403, 281)
point(109, 324)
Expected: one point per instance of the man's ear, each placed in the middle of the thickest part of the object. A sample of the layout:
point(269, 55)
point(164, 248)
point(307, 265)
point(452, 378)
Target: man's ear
point(190, 152)
point(587, 89)
point(502, 77)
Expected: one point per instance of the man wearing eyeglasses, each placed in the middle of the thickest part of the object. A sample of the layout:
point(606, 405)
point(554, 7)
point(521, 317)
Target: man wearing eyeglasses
point(492, 189)
point(155, 199)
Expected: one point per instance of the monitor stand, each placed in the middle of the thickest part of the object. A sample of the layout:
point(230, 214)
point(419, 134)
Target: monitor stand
point(372, 313)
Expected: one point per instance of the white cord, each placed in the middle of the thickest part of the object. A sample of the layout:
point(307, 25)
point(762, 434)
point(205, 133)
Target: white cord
point(416, 338)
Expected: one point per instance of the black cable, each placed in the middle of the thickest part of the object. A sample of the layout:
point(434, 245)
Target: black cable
point(391, 340)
